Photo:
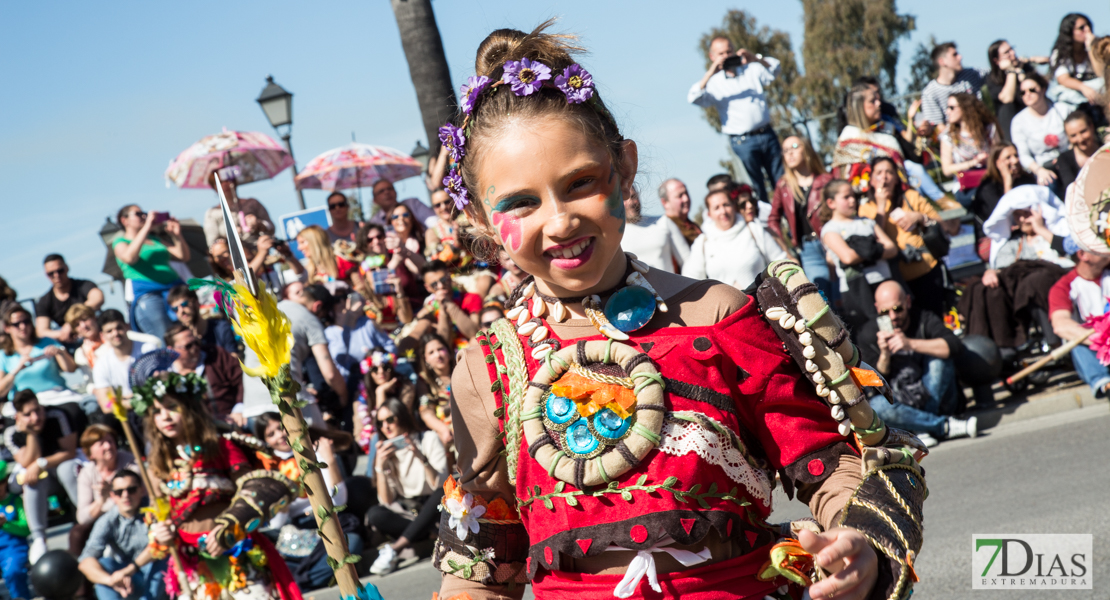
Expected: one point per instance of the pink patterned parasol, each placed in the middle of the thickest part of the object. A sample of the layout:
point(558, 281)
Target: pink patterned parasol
point(257, 154)
point(356, 165)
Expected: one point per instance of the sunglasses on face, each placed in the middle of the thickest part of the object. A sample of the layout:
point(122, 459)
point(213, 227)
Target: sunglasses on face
point(180, 306)
point(390, 420)
point(487, 324)
point(373, 238)
point(442, 205)
point(193, 345)
point(55, 272)
point(403, 215)
point(444, 282)
point(23, 323)
point(129, 490)
point(1031, 91)
point(337, 206)
point(138, 213)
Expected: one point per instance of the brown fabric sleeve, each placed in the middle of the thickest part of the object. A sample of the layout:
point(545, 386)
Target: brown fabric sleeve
point(481, 465)
point(827, 498)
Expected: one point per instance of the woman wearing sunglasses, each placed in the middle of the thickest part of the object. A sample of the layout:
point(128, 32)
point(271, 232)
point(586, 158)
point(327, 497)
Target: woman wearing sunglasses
point(31, 362)
point(145, 262)
point(409, 470)
point(407, 239)
point(342, 227)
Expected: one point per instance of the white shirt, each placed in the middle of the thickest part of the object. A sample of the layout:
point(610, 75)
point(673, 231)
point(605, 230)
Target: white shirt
point(1039, 139)
point(735, 256)
point(653, 241)
point(740, 100)
point(110, 371)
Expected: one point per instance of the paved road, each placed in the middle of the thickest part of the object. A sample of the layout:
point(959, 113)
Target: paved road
point(1043, 475)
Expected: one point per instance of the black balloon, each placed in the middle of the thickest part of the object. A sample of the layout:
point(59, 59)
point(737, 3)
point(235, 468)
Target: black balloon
point(55, 576)
point(980, 363)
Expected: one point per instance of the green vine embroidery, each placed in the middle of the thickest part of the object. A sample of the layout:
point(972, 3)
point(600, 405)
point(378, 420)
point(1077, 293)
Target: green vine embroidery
point(467, 568)
point(668, 485)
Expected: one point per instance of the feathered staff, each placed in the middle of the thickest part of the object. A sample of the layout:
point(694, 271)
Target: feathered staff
point(265, 329)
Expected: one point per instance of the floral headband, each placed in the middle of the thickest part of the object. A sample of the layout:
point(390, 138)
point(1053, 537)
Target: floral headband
point(377, 359)
point(526, 77)
point(156, 388)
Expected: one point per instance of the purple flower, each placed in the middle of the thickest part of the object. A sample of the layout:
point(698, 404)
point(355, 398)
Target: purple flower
point(526, 76)
point(470, 92)
point(453, 138)
point(455, 187)
point(576, 83)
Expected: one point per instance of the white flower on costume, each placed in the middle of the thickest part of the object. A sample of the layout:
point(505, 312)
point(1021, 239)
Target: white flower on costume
point(159, 388)
point(464, 515)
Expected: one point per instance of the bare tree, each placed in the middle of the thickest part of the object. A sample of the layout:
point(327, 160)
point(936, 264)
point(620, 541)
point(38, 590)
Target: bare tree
point(427, 64)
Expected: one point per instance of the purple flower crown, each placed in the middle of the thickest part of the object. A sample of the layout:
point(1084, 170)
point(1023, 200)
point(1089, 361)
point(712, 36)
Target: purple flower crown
point(525, 77)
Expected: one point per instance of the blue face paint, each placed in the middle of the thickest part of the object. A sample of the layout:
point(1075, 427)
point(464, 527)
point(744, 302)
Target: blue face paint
point(512, 202)
point(615, 204)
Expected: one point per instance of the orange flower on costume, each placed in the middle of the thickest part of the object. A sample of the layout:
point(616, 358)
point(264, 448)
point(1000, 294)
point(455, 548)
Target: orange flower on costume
point(497, 510)
point(591, 396)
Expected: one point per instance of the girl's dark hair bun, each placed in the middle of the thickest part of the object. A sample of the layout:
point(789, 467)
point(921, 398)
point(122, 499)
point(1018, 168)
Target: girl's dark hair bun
point(552, 49)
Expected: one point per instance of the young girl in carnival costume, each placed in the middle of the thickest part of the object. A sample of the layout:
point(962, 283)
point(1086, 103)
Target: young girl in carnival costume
point(618, 433)
point(217, 498)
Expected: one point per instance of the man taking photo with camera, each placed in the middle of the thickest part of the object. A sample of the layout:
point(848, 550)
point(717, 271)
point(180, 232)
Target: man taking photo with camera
point(735, 85)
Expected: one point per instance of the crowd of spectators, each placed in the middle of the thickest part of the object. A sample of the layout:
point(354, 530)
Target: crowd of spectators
point(379, 308)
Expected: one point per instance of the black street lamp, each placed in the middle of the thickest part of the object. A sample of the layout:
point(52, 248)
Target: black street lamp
point(277, 103)
point(420, 153)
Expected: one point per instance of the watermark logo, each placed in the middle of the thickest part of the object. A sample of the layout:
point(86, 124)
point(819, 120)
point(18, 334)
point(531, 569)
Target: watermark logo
point(1003, 561)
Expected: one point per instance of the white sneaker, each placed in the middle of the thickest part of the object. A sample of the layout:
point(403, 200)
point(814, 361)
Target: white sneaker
point(960, 428)
point(38, 548)
point(927, 439)
point(386, 561)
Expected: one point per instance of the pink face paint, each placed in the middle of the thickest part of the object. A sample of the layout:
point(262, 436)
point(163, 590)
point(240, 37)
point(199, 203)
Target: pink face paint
point(508, 227)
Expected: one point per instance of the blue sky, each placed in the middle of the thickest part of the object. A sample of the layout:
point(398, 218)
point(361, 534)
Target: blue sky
point(99, 97)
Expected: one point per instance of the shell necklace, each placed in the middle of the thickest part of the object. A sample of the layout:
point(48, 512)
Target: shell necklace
point(631, 306)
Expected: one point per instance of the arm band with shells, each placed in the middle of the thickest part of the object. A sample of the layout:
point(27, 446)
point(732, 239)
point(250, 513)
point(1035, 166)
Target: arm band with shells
point(819, 342)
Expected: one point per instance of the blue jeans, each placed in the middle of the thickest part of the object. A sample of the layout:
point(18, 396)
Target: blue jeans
point(816, 268)
point(964, 197)
point(150, 314)
point(760, 152)
point(940, 381)
point(146, 584)
point(319, 574)
point(13, 564)
point(920, 179)
point(909, 418)
point(1092, 372)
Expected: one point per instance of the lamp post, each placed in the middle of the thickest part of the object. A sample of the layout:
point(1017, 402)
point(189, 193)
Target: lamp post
point(420, 153)
point(277, 103)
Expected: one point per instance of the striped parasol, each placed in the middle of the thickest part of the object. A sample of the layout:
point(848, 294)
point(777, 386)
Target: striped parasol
point(356, 165)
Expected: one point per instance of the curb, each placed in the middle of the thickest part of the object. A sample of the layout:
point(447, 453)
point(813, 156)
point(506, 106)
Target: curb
point(1070, 395)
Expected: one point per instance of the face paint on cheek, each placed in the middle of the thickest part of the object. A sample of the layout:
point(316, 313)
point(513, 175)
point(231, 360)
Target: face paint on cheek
point(489, 193)
point(615, 204)
point(508, 227)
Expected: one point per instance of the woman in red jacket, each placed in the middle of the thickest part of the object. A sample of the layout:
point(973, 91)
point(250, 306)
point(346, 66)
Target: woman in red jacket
point(797, 198)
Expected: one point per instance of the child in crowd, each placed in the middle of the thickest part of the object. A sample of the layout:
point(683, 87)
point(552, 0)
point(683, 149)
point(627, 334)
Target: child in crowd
point(13, 538)
point(860, 247)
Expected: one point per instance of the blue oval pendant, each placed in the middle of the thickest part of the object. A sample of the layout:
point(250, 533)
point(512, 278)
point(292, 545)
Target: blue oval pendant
point(630, 308)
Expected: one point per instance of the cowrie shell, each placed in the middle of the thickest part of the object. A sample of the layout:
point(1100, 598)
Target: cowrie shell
point(515, 313)
point(538, 307)
point(800, 326)
point(541, 352)
point(811, 366)
point(822, 390)
point(844, 428)
point(527, 328)
point(809, 352)
point(539, 334)
point(834, 398)
point(523, 318)
point(775, 312)
point(838, 413)
point(529, 289)
point(818, 378)
point(639, 266)
point(787, 321)
point(806, 339)
point(559, 312)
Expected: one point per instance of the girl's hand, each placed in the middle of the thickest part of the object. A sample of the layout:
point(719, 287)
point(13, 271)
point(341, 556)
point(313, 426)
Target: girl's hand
point(1090, 94)
point(386, 450)
point(51, 351)
point(162, 532)
point(173, 227)
point(846, 554)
